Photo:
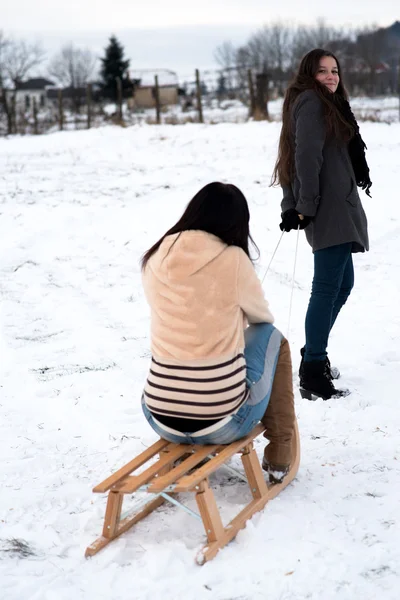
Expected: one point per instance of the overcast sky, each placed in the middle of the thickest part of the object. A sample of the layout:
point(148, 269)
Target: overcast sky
point(118, 14)
point(178, 34)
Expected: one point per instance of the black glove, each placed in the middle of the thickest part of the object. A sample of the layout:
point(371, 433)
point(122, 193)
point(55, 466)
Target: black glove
point(291, 220)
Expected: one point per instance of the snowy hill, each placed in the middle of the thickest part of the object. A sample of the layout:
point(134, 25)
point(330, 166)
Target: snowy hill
point(77, 210)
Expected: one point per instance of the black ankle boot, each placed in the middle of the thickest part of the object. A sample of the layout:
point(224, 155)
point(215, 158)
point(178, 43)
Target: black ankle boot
point(333, 372)
point(316, 381)
point(276, 473)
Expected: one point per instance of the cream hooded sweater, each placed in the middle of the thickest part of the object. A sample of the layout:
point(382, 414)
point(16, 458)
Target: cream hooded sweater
point(201, 294)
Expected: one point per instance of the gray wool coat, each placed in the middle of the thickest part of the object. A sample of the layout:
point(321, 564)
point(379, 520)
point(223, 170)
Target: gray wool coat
point(324, 186)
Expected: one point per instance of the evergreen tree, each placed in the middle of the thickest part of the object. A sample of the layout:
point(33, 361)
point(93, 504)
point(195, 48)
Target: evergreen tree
point(114, 66)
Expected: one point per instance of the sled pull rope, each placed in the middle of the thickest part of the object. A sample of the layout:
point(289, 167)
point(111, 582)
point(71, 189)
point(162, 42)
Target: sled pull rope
point(272, 257)
point(293, 275)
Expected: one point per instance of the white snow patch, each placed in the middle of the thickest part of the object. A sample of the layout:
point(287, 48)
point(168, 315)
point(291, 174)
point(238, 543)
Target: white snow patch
point(77, 211)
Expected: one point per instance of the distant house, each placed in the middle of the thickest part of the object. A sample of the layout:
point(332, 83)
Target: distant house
point(144, 95)
point(70, 96)
point(32, 89)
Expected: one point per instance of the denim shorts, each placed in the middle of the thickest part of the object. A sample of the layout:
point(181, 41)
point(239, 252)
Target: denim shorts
point(262, 346)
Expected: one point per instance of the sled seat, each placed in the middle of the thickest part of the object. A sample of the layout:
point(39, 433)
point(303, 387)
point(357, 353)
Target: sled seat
point(181, 468)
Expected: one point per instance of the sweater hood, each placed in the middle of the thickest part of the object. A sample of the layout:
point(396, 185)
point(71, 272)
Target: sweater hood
point(182, 255)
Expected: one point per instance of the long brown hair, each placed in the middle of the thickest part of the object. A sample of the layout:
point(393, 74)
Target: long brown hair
point(218, 208)
point(336, 124)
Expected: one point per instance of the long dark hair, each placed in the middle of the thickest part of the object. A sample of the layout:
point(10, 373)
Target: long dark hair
point(336, 123)
point(218, 208)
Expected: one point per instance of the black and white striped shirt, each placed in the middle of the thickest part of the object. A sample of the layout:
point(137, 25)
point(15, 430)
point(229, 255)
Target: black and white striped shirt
point(204, 389)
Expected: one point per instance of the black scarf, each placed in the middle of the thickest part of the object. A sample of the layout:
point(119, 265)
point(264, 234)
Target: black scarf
point(356, 147)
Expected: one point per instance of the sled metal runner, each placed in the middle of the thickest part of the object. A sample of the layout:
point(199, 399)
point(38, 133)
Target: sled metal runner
point(181, 468)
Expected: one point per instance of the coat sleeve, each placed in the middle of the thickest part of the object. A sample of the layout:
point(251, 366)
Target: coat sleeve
point(288, 200)
point(250, 293)
point(310, 136)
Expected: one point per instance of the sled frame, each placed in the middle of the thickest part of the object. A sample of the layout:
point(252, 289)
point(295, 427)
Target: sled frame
point(181, 468)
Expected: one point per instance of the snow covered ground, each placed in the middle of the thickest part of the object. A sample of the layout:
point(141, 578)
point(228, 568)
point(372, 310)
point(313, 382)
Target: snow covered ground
point(380, 109)
point(77, 209)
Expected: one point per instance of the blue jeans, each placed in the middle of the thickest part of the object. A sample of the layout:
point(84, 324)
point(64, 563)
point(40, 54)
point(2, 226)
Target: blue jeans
point(262, 347)
point(331, 286)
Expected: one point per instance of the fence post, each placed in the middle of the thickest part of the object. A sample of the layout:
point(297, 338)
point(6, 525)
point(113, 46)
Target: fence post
point(35, 117)
point(119, 98)
point(261, 112)
point(7, 110)
point(198, 94)
point(13, 114)
point(60, 110)
point(157, 99)
point(89, 104)
point(252, 109)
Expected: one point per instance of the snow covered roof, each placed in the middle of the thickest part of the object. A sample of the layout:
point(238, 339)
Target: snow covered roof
point(146, 76)
point(37, 83)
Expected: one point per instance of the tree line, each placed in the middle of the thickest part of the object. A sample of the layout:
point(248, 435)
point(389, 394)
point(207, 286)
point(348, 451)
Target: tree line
point(267, 61)
point(369, 56)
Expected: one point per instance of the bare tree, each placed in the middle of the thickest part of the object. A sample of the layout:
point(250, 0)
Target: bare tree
point(73, 68)
point(20, 58)
point(319, 35)
point(225, 56)
point(280, 47)
point(243, 63)
point(259, 50)
point(3, 48)
point(369, 57)
point(17, 59)
point(281, 40)
point(267, 51)
point(322, 35)
point(4, 104)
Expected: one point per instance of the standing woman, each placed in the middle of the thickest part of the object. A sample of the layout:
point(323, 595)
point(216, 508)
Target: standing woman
point(321, 161)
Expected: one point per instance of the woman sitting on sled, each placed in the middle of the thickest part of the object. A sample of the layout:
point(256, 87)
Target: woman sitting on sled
point(213, 377)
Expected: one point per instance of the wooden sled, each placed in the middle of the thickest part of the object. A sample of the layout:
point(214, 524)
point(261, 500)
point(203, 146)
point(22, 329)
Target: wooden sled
point(182, 468)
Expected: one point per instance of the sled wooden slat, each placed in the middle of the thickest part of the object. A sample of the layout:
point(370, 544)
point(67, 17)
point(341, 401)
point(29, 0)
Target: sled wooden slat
point(199, 454)
point(163, 477)
point(113, 514)
point(190, 481)
point(254, 473)
point(134, 464)
point(134, 482)
point(209, 512)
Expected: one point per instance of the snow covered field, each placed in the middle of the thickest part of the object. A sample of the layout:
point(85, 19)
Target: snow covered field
point(380, 109)
point(77, 209)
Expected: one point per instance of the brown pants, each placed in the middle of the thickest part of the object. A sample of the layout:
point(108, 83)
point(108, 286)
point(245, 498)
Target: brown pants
point(279, 418)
